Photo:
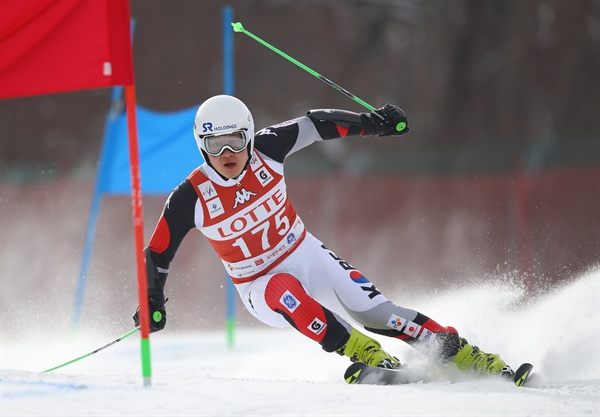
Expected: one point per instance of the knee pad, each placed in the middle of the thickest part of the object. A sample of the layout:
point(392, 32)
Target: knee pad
point(284, 290)
point(285, 295)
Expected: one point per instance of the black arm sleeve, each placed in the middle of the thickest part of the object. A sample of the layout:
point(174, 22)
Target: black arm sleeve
point(333, 124)
point(277, 141)
point(176, 221)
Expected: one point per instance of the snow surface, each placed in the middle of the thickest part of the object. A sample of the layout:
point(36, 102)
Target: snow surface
point(271, 372)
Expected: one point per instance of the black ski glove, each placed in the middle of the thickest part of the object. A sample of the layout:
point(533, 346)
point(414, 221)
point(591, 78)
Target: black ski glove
point(158, 314)
point(389, 120)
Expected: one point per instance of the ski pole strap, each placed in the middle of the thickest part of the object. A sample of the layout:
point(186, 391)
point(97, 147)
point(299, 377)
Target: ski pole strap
point(126, 335)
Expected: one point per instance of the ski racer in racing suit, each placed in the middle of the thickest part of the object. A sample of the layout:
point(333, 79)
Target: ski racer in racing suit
point(284, 275)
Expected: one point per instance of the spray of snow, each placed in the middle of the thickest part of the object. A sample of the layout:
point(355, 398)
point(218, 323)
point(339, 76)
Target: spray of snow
point(278, 372)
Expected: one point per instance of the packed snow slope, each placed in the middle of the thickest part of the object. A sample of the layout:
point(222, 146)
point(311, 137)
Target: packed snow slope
point(270, 372)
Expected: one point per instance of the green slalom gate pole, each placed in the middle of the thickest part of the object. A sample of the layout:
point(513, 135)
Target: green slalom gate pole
point(237, 27)
point(126, 335)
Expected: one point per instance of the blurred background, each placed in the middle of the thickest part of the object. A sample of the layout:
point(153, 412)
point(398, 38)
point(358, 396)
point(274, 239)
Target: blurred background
point(499, 178)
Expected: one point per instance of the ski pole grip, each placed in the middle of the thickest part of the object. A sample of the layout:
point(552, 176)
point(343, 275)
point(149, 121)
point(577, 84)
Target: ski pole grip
point(237, 27)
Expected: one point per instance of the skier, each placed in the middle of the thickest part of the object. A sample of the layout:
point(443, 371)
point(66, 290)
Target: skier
point(283, 274)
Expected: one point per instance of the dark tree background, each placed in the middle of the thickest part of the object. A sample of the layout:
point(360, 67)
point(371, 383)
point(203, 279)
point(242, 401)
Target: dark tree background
point(499, 177)
point(486, 83)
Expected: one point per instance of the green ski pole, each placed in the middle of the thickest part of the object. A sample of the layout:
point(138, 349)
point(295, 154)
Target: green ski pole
point(95, 351)
point(237, 27)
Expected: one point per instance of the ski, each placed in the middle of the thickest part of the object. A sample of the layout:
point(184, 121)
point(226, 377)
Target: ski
point(522, 373)
point(361, 373)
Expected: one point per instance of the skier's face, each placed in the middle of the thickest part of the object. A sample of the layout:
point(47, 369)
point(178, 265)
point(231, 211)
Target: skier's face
point(229, 164)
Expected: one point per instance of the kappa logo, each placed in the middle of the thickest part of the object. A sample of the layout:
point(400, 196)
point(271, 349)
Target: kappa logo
point(242, 196)
point(168, 203)
point(266, 131)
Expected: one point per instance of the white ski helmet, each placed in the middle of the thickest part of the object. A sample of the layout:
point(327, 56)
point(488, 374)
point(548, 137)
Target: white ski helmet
point(223, 115)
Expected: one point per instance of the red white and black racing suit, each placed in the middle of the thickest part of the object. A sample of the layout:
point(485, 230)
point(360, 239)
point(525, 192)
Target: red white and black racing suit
point(284, 275)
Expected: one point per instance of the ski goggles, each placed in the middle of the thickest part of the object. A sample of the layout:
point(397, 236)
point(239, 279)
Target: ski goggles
point(215, 145)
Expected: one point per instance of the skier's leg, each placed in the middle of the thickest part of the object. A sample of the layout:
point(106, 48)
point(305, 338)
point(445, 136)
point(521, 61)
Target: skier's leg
point(431, 338)
point(364, 303)
point(285, 295)
point(335, 282)
point(280, 299)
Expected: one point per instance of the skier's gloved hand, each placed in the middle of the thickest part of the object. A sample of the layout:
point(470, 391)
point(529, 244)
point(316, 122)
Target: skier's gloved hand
point(389, 120)
point(158, 314)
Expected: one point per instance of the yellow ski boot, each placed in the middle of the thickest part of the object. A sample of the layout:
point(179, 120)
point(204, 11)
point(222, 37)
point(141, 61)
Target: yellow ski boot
point(362, 348)
point(471, 358)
